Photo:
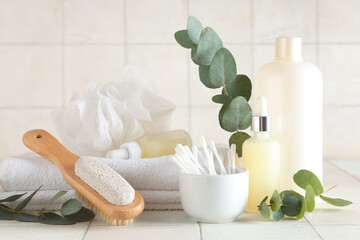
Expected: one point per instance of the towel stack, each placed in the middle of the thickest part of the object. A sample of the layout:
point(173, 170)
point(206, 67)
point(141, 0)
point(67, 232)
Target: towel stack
point(156, 179)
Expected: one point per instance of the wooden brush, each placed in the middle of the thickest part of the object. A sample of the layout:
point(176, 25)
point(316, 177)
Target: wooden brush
point(49, 147)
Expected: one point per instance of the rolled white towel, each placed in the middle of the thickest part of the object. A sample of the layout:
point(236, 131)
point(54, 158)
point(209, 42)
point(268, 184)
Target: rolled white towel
point(27, 172)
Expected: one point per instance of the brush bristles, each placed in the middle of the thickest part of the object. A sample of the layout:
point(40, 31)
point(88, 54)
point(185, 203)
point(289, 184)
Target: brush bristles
point(107, 219)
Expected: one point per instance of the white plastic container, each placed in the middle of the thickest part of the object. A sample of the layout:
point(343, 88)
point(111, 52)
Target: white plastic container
point(294, 90)
point(214, 198)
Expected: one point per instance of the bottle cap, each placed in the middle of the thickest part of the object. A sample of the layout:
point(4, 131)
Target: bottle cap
point(261, 122)
point(288, 48)
point(130, 150)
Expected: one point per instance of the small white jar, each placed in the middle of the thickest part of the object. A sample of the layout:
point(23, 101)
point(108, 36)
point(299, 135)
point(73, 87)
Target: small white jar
point(214, 198)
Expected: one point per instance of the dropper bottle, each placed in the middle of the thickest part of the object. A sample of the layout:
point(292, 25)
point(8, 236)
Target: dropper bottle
point(261, 157)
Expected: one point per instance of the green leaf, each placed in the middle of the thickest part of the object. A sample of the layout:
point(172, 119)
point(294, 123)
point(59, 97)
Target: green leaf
point(264, 209)
point(182, 37)
point(53, 219)
point(6, 213)
point(194, 57)
point(194, 29)
point(305, 177)
point(204, 76)
point(336, 201)
point(221, 98)
point(275, 201)
point(12, 198)
point(221, 114)
point(310, 198)
point(291, 203)
point(237, 115)
point(25, 217)
point(276, 215)
point(209, 44)
point(303, 208)
point(238, 139)
point(83, 215)
point(70, 207)
point(24, 202)
point(223, 68)
point(53, 199)
point(240, 86)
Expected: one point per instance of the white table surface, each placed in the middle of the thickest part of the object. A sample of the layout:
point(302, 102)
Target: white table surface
point(326, 222)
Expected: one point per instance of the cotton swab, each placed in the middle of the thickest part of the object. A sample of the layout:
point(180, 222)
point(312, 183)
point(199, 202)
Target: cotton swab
point(202, 160)
point(209, 160)
point(213, 148)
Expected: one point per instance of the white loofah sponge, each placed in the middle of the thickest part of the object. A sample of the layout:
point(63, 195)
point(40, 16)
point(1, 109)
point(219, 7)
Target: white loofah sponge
point(108, 183)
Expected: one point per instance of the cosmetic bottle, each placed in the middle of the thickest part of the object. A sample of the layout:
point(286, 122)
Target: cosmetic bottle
point(152, 145)
point(293, 88)
point(261, 157)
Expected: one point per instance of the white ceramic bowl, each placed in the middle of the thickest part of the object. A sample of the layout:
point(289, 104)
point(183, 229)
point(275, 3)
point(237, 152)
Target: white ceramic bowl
point(214, 199)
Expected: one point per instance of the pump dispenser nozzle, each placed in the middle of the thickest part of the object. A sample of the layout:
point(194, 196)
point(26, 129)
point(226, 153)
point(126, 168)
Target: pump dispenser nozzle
point(260, 120)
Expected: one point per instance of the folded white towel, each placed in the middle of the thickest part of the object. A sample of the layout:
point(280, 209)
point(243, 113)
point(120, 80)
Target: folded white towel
point(27, 172)
point(154, 200)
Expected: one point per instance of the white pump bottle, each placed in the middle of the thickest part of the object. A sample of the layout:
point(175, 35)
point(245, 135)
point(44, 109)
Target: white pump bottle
point(294, 92)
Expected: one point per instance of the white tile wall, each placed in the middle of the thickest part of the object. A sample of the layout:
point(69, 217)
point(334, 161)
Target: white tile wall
point(339, 21)
point(85, 63)
point(49, 49)
point(96, 21)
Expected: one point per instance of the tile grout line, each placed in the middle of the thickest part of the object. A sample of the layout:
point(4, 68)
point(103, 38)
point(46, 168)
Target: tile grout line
point(188, 75)
point(252, 36)
point(317, 33)
point(313, 228)
point(63, 52)
point(344, 171)
point(125, 34)
point(87, 229)
point(155, 43)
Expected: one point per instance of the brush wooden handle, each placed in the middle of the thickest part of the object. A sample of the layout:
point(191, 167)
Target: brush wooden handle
point(49, 147)
point(43, 143)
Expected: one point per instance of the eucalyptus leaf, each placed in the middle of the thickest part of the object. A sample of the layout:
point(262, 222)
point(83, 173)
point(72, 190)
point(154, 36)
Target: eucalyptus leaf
point(310, 198)
point(305, 177)
point(53, 219)
point(12, 198)
point(83, 215)
point(276, 215)
point(70, 207)
point(222, 68)
point(204, 76)
point(194, 29)
point(237, 115)
point(240, 86)
point(182, 37)
point(303, 208)
point(221, 98)
point(264, 209)
point(275, 201)
point(53, 199)
point(221, 114)
point(194, 57)
point(25, 217)
point(291, 203)
point(238, 139)
point(336, 201)
point(24, 202)
point(209, 44)
point(6, 213)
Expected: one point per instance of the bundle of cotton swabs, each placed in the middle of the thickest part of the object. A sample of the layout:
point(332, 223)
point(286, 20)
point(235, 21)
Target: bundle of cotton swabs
point(204, 160)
